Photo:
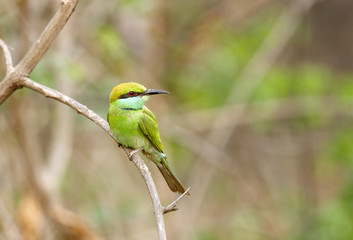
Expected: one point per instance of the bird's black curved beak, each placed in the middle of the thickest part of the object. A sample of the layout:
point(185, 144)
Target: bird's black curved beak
point(154, 91)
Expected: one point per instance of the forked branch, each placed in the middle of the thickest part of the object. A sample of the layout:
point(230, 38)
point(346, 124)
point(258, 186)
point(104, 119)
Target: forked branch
point(172, 207)
point(17, 77)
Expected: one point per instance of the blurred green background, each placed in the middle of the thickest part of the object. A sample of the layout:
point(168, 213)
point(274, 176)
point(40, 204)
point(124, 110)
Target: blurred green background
point(258, 122)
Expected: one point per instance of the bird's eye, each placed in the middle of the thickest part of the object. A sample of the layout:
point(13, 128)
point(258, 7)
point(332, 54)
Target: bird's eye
point(131, 93)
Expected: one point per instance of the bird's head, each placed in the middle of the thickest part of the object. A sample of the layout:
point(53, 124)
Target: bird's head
point(132, 95)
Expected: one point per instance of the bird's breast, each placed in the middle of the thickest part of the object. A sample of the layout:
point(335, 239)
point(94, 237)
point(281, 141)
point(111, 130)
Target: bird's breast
point(124, 125)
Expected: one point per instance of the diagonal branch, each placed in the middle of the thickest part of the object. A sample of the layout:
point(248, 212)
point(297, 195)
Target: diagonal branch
point(10, 83)
point(54, 94)
point(52, 30)
point(17, 77)
point(136, 159)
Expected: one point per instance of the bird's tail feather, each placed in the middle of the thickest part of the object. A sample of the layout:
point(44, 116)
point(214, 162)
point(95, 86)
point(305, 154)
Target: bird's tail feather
point(170, 178)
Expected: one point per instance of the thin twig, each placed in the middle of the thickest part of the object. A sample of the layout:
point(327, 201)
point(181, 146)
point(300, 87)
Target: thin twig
point(172, 207)
point(7, 56)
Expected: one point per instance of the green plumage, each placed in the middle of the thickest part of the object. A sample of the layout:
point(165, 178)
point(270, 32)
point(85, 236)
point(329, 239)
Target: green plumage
point(134, 125)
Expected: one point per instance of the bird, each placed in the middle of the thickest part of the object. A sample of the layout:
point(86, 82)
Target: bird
point(134, 126)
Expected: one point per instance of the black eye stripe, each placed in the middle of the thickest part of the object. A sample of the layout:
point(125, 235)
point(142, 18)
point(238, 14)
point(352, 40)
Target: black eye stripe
point(126, 95)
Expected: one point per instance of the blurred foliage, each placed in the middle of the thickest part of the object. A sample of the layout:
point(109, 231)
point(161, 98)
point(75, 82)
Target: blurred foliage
point(218, 65)
point(294, 148)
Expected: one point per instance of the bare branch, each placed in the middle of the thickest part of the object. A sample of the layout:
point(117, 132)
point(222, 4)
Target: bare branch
point(8, 86)
point(52, 30)
point(172, 207)
point(37, 50)
point(7, 56)
point(18, 77)
point(147, 177)
point(139, 163)
point(80, 108)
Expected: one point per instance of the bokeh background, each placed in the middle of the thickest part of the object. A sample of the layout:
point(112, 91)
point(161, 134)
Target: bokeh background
point(258, 122)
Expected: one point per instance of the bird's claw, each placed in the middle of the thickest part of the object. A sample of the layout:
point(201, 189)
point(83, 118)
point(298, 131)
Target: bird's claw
point(133, 152)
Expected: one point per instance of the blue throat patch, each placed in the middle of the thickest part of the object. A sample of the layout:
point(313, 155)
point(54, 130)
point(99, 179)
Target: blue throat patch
point(132, 103)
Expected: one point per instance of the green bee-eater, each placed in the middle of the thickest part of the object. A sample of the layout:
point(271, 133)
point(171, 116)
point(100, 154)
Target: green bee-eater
point(133, 125)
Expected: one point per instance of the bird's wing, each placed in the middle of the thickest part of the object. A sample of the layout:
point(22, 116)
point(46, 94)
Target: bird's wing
point(148, 125)
point(108, 117)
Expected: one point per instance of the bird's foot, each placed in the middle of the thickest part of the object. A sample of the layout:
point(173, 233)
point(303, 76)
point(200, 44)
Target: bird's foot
point(133, 152)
